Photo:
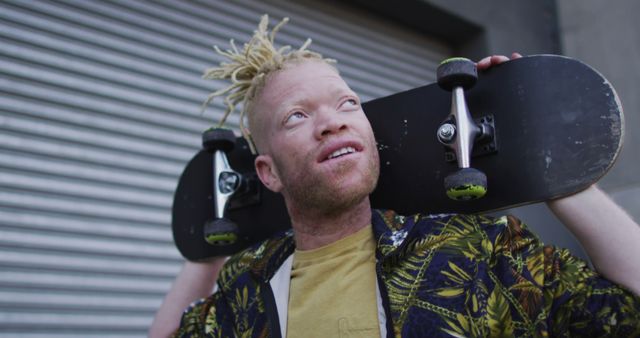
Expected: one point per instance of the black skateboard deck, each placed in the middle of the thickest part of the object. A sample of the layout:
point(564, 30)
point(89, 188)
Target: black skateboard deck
point(555, 128)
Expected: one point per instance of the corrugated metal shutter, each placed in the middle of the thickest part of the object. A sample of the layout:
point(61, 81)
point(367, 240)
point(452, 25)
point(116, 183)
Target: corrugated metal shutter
point(99, 113)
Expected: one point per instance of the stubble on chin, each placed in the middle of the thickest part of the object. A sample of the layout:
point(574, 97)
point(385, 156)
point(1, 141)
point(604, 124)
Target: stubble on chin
point(328, 195)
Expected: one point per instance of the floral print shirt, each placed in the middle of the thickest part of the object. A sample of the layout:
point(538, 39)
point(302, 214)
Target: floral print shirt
point(440, 276)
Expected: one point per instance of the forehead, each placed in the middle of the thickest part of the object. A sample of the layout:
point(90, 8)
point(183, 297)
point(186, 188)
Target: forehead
point(301, 83)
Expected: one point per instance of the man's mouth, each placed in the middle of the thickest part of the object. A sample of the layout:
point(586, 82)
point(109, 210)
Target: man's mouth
point(341, 152)
point(339, 149)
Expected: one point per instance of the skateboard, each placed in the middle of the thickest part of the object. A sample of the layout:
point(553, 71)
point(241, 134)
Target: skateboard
point(528, 130)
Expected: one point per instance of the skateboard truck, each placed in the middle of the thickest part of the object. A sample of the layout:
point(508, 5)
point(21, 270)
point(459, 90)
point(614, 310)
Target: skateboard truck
point(220, 230)
point(459, 131)
point(485, 143)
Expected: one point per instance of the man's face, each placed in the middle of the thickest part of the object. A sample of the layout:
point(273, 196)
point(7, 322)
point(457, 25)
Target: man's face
point(318, 146)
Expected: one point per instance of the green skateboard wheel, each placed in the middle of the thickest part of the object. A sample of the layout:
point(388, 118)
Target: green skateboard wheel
point(218, 139)
point(466, 184)
point(221, 232)
point(456, 72)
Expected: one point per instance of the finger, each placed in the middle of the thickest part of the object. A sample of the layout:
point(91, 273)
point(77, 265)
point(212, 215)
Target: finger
point(515, 55)
point(498, 59)
point(484, 63)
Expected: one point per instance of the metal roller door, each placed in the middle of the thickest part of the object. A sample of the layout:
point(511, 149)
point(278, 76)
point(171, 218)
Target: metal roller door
point(99, 113)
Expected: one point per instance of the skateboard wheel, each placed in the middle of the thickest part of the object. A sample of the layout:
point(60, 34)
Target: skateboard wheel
point(218, 139)
point(221, 232)
point(456, 72)
point(466, 184)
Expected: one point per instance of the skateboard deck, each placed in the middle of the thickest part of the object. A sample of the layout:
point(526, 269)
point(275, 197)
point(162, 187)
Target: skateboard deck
point(557, 128)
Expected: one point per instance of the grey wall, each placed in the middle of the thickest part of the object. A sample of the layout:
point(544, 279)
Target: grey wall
point(606, 35)
point(476, 28)
point(529, 27)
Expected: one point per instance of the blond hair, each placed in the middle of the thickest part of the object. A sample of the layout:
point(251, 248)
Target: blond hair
point(248, 70)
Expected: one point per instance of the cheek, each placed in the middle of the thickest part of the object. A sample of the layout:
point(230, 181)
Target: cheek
point(362, 123)
point(367, 133)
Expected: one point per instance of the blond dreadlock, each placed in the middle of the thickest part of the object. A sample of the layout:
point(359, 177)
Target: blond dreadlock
point(248, 70)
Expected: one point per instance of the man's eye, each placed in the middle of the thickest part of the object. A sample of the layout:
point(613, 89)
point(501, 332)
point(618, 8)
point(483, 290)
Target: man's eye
point(350, 103)
point(295, 116)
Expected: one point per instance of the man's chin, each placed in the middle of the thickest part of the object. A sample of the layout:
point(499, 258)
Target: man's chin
point(338, 198)
point(339, 204)
point(335, 192)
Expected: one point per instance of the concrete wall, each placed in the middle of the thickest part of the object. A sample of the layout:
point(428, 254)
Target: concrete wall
point(606, 35)
point(529, 27)
point(477, 28)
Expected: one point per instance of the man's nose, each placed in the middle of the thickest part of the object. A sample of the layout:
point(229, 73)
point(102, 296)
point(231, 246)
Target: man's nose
point(329, 122)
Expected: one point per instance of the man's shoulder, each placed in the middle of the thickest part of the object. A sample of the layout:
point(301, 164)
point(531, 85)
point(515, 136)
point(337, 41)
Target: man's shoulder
point(239, 290)
point(258, 261)
point(391, 221)
point(392, 228)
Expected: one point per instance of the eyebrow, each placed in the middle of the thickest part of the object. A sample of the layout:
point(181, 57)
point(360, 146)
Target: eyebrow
point(304, 100)
point(339, 90)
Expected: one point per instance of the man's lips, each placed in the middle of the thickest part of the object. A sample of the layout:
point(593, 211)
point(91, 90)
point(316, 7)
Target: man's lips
point(338, 149)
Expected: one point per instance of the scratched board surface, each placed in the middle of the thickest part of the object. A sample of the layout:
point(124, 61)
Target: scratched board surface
point(558, 126)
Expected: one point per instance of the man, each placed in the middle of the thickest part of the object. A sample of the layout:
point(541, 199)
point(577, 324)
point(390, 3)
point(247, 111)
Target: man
point(347, 270)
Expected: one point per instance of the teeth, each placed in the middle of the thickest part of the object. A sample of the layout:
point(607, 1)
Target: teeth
point(342, 151)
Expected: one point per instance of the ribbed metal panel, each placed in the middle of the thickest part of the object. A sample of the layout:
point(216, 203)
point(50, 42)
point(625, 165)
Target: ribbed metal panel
point(99, 113)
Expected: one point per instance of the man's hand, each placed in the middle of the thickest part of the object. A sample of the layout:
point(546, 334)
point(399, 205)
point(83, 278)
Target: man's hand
point(495, 60)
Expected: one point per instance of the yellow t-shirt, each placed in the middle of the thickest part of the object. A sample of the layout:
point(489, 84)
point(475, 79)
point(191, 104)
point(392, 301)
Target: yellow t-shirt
point(333, 289)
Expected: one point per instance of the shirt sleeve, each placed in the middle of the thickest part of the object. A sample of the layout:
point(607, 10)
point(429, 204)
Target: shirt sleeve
point(570, 298)
point(207, 317)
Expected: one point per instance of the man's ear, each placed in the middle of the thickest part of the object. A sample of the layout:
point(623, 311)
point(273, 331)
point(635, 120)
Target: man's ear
point(267, 173)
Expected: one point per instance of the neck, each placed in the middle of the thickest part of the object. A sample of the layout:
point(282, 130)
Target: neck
point(313, 229)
